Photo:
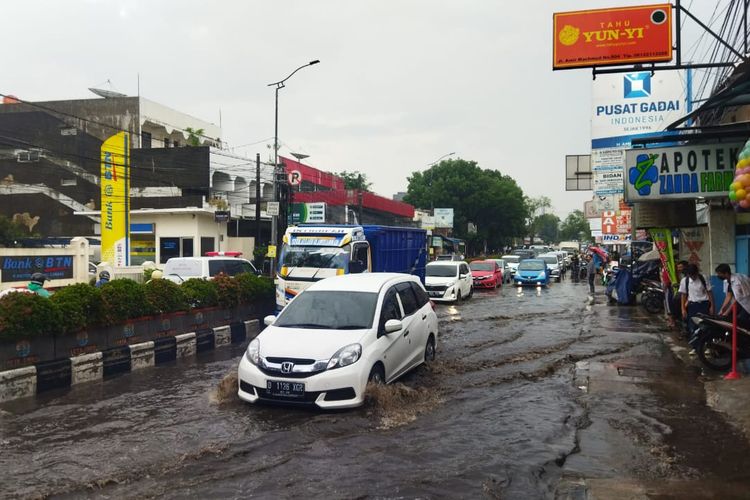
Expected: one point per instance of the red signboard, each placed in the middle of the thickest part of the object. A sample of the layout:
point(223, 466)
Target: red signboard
point(614, 36)
point(609, 222)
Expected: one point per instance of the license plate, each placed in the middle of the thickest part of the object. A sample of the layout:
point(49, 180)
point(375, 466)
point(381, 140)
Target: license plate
point(285, 389)
point(436, 294)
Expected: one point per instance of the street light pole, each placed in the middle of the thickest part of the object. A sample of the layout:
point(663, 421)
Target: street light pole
point(432, 208)
point(279, 85)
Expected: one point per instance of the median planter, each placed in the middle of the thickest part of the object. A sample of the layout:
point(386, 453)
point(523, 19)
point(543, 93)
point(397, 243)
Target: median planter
point(26, 351)
point(168, 325)
point(82, 342)
point(131, 332)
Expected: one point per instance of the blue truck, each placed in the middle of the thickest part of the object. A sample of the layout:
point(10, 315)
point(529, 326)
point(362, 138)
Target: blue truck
point(312, 252)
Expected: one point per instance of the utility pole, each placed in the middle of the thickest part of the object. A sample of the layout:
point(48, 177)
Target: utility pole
point(257, 200)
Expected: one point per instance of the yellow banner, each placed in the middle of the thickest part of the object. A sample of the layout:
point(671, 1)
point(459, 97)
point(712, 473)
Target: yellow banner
point(115, 188)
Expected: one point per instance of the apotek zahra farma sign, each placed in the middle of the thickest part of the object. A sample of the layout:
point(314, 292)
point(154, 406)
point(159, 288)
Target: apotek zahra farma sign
point(702, 171)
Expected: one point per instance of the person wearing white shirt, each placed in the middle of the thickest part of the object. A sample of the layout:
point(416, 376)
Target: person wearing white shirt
point(696, 296)
point(736, 288)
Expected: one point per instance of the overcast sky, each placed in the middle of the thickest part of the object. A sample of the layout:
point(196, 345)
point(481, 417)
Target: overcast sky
point(400, 82)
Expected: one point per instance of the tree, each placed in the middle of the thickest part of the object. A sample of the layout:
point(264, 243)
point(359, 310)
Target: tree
point(194, 136)
point(355, 180)
point(11, 231)
point(485, 197)
point(547, 227)
point(575, 227)
point(534, 208)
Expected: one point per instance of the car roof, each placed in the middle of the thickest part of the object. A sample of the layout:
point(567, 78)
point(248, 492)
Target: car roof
point(444, 262)
point(217, 257)
point(364, 282)
point(533, 260)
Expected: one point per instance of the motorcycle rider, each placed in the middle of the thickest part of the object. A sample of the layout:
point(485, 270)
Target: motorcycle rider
point(37, 284)
point(104, 278)
point(736, 288)
point(575, 264)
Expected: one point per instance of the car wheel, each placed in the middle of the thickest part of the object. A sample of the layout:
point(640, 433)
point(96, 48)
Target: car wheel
point(471, 292)
point(459, 298)
point(429, 350)
point(377, 376)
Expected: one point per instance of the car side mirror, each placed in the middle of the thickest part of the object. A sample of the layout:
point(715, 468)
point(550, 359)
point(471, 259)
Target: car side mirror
point(461, 276)
point(269, 320)
point(393, 325)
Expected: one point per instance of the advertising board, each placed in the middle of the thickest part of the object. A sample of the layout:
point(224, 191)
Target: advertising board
point(622, 35)
point(443, 217)
point(635, 105)
point(115, 199)
point(608, 169)
point(682, 172)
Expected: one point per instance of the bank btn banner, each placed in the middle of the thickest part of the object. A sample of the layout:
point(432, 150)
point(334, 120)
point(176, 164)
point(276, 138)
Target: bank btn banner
point(115, 199)
point(662, 174)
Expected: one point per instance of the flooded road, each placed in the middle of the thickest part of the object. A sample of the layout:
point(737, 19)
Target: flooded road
point(535, 394)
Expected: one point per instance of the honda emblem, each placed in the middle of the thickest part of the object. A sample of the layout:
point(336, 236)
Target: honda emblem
point(286, 367)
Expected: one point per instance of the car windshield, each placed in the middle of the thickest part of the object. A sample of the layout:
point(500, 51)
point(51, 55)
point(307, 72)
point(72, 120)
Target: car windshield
point(482, 266)
point(511, 259)
point(531, 265)
point(549, 259)
point(441, 271)
point(329, 310)
point(320, 257)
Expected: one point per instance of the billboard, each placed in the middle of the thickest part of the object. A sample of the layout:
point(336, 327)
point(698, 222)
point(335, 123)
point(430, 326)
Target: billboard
point(307, 213)
point(622, 35)
point(635, 105)
point(115, 199)
point(682, 172)
point(607, 166)
point(443, 217)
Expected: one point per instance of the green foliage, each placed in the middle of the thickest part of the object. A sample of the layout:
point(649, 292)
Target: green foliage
point(164, 296)
point(254, 288)
point(355, 180)
point(11, 231)
point(228, 290)
point(123, 300)
point(259, 255)
point(547, 227)
point(200, 293)
point(575, 227)
point(26, 314)
point(80, 305)
point(485, 197)
point(194, 136)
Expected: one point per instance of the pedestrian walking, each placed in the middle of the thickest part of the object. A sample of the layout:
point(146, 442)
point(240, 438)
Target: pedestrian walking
point(695, 295)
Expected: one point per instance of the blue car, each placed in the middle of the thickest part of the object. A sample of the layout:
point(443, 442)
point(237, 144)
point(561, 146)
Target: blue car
point(532, 272)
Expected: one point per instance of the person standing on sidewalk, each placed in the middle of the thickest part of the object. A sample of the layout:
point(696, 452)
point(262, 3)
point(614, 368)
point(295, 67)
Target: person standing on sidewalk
point(736, 287)
point(591, 273)
point(696, 296)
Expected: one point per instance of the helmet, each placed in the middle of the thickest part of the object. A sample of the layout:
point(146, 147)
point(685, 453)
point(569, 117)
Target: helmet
point(104, 275)
point(39, 278)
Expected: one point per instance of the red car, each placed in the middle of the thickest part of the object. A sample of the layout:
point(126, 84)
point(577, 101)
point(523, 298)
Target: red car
point(486, 274)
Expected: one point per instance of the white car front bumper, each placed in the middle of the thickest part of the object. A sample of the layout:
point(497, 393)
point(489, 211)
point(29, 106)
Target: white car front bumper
point(337, 388)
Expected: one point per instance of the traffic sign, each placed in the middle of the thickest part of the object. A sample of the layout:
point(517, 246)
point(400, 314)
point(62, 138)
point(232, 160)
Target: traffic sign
point(272, 208)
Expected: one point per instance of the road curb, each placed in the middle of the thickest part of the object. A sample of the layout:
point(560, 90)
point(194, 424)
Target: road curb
point(66, 372)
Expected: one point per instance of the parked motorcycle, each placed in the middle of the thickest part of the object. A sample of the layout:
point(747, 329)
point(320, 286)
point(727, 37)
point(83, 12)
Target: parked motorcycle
point(712, 341)
point(652, 296)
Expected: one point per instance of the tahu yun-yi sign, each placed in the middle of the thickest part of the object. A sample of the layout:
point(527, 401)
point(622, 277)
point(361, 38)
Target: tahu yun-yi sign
point(702, 171)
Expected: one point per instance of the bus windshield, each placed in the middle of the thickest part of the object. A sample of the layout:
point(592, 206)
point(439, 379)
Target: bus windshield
point(318, 257)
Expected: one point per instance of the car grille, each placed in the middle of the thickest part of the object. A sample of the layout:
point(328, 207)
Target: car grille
point(296, 361)
point(436, 288)
point(277, 373)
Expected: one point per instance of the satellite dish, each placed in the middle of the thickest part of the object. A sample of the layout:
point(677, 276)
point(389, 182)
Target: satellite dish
point(106, 93)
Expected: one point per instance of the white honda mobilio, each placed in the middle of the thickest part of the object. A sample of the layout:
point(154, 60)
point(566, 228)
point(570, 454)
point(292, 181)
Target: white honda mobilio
point(337, 335)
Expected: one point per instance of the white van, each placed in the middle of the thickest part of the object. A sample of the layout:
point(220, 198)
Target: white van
point(179, 269)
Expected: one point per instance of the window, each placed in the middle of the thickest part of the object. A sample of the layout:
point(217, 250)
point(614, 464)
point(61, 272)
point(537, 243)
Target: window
point(168, 248)
point(68, 182)
point(419, 292)
point(360, 254)
point(230, 267)
point(145, 140)
point(391, 309)
point(176, 144)
point(408, 299)
point(330, 310)
point(187, 247)
point(207, 245)
point(248, 268)
point(465, 269)
point(166, 142)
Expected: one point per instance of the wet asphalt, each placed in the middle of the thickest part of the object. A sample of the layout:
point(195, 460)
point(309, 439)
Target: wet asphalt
point(536, 393)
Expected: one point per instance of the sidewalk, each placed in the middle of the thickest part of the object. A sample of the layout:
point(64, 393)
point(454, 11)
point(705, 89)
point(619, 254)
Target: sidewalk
point(730, 397)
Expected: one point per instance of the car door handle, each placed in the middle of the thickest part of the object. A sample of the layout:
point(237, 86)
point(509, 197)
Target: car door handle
point(424, 316)
point(406, 333)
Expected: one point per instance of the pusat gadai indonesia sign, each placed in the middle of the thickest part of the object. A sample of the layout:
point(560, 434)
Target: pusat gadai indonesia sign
point(614, 36)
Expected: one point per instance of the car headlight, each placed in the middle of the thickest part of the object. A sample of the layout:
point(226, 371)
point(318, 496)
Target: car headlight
point(345, 356)
point(253, 352)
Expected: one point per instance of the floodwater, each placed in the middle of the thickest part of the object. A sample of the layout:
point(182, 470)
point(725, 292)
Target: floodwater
point(507, 410)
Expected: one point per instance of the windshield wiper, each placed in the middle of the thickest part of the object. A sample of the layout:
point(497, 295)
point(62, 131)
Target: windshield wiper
point(351, 327)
